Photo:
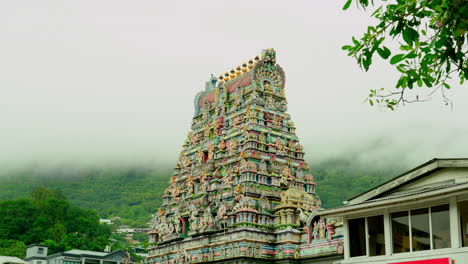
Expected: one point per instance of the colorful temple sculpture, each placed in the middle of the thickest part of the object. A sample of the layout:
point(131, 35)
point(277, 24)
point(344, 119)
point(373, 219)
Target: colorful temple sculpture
point(241, 191)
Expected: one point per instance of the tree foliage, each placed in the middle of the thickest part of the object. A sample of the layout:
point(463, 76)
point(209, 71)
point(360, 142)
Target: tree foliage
point(47, 218)
point(433, 45)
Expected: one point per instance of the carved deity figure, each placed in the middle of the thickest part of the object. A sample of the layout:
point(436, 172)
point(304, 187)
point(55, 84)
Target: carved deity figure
point(279, 145)
point(207, 217)
point(330, 230)
point(267, 86)
point(222, 145)
point(205, 186)
point(243, 165)
point(315, 232)
point(219, 125)
point(322, 229)
point(211, 152)
point(190, 184)
point(254, 98)
point(206, 131)
point(237, 122)
point(233, 146)
point(263, 203)
point(175, 191)
point(270, 101)
point(262, 138)
point(268, 117)
point(286, 172)
point(177, 222)
point(245, 132)
point(278, 121)
point(200, 155)
point(263, 167)
point(222, 211)
point(228, 179)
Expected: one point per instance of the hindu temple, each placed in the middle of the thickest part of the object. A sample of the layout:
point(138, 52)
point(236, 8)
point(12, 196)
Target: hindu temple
point(241, 191)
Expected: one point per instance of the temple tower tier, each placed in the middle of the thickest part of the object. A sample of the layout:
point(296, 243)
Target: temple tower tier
point(241, 186)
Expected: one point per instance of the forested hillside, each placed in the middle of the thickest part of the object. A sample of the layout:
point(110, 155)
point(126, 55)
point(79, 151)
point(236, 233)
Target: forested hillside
point(133, 193)
point(340, 179)
point(128, 192)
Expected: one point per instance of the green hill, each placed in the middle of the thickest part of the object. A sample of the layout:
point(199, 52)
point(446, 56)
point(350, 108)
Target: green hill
point(128, 192)
point(133, 193)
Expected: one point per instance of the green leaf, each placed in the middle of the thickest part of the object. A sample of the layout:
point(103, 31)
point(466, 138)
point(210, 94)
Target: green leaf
point(411, 55)
point(427, 82)
point(384, 52)
point(365, 64)
point(420, 83)
point(346, 47)
point(397, 58)
point(347, 4)
point(371, 102)
point(446, 85)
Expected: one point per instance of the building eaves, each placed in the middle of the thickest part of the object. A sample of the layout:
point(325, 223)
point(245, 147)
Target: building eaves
point(414, 173)
point(403, 197)
point(37, 257)
point(35, 245)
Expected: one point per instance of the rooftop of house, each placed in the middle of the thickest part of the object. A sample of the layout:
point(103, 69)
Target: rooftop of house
point(11, 260)
point(411, 185)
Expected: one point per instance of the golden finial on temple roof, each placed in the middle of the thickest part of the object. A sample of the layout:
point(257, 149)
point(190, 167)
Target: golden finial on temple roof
point(244, 67)
point(233, 74)
point(250, 64)
point(238, 70)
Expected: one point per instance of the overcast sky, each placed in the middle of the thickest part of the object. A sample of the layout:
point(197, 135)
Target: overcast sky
point(114, 81)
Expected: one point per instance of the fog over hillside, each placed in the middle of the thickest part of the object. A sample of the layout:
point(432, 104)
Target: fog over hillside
point(102, 83)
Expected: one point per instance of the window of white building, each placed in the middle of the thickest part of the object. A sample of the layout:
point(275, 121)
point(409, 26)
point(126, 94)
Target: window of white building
point(463, 206)
point(367, 236)
point(421, 229)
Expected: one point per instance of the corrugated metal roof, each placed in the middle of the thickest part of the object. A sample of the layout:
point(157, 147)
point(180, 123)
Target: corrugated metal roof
point(414, 192)
point(399, 195)
point(435, 160)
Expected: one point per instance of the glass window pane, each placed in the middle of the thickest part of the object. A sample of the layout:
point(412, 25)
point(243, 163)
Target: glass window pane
point(400, 232)
point(375, 227)
point(463, 206)
point(420, 229)
point(357, 237)
point(440, 226)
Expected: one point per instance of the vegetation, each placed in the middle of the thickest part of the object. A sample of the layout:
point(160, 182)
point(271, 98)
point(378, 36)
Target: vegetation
point(33, 214)
point(130, 193)
point(340, 179)
point(432, 36)
point(134, 194)
point(47, 218)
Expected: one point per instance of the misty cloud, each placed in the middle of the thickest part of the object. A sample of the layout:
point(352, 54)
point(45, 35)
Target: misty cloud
point(109, 82)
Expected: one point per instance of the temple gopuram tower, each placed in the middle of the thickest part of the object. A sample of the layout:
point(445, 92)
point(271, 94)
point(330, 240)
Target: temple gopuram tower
point(241, 191)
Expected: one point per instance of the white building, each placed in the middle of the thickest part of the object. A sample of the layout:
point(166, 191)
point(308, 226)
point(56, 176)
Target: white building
point(37, 254)
point(105, 221)
point(419, 217)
